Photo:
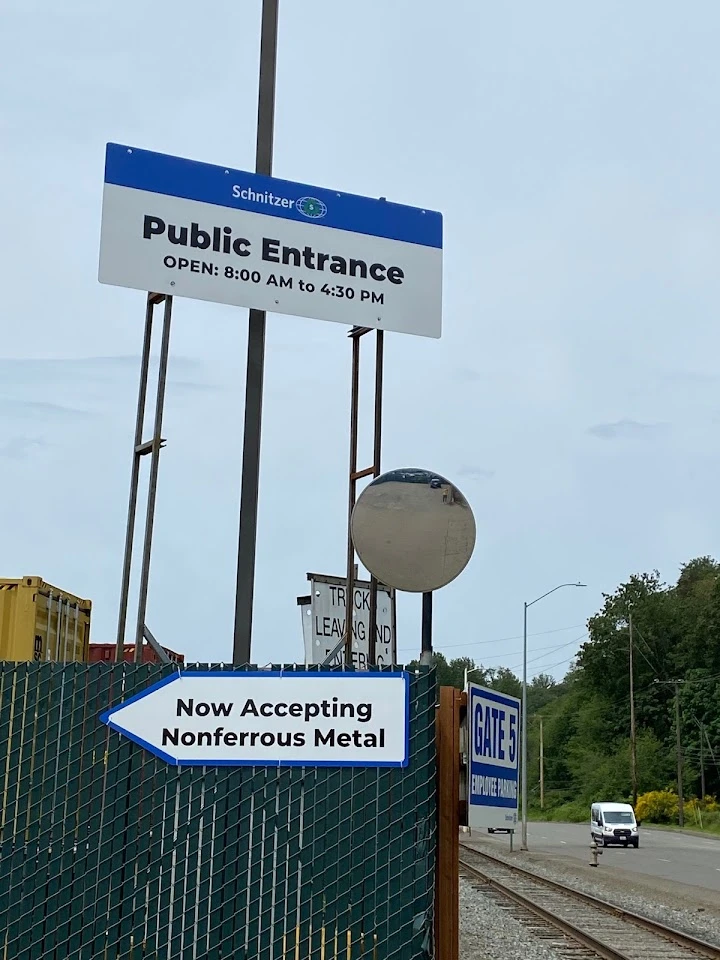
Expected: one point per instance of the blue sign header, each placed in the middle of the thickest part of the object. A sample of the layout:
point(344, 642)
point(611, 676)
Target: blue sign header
point(239, 190)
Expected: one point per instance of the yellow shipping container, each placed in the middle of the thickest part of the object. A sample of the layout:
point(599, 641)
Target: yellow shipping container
point(40, 622)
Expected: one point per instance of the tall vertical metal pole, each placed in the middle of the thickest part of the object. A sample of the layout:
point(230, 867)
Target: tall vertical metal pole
point(135, 477)
point(377, 450)
point(633, 741)
point(352, 487)
point(678, 747)
point(426, 649)
point(702, 762)
point(247, 537)
point(393, 625)
point(542, 767)
point(523, 755)
point(152, 486)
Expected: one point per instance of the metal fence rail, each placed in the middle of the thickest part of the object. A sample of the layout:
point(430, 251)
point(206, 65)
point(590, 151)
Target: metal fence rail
point(106, 852)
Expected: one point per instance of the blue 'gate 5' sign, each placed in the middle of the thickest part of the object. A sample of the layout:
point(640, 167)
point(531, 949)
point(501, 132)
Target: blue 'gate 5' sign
point(493, 751)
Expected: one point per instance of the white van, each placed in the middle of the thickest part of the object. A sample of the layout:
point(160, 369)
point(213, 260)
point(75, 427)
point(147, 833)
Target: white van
point(614, 823)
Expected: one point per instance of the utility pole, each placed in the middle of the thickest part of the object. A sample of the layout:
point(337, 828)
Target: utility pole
point(702, 762)
point(542, 767)
point(678, 749)
point(678, 742)
point(633, 741)
point(710, 748)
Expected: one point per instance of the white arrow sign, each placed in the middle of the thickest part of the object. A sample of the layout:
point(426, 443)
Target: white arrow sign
point(271, 718)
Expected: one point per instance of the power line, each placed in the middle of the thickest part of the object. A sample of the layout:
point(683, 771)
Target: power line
point(480, 643)
point(551, 666)
point(653, 666)
point(549, 650)
point(553, 650)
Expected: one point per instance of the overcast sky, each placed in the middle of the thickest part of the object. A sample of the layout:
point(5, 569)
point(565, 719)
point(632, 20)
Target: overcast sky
point(573, 149)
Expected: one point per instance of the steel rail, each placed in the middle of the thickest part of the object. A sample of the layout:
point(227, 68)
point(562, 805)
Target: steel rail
point(701, 947)
point(599, 948)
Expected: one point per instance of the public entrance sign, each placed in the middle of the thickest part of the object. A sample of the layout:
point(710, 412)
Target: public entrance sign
point(493, 750)
point(189, 229)
point(271, 718)
point(323, 621)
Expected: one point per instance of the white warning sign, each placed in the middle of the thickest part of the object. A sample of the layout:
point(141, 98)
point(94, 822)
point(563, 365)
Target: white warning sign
point(324, 613)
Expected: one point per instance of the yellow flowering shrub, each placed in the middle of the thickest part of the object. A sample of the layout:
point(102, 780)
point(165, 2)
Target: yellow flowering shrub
point(658, 806)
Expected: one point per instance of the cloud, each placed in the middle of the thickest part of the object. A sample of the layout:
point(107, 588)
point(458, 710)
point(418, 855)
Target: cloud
point(190, 386)
point(38, 408)
point(468, 375)
point(686, 378)
point(20, 448)
point(36, 373)
point(624, 429)
point(42, 366)
point(476, 473)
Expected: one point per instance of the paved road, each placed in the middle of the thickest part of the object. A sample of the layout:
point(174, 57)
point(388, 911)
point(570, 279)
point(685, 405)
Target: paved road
point(679, 858)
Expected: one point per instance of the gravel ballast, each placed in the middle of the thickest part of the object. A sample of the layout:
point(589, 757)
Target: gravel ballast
point(696, 912)
point(487, 932)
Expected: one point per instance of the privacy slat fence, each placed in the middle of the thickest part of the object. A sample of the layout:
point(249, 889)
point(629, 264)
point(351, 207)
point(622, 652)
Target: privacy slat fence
point(107, 852)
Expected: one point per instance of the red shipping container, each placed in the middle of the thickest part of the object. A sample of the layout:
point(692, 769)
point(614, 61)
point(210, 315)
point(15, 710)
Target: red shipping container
point(105, 653)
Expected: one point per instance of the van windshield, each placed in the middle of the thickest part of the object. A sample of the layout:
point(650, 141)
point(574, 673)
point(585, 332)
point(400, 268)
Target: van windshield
point(617, 816)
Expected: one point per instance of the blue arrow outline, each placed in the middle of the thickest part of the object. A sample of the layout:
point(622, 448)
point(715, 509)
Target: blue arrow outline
point(106, 718)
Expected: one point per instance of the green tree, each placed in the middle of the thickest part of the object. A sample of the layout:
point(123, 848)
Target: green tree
point(542, 691)
point(676, 636)
point(503, 680)
point(586, 716)
point(452, 673)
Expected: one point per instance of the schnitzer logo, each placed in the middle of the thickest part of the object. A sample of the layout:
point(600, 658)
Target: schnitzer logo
point(311, 207)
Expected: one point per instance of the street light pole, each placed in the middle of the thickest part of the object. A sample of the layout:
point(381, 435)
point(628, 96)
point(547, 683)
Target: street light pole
point(633, 739)
point(466, 674)
point(542, 767)
point(523, 717)
point(523, 721)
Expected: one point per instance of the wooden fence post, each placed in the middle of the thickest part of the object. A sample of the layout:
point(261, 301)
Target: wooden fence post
point(447, 883)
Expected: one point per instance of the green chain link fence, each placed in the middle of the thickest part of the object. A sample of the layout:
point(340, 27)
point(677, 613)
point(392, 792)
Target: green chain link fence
point(107, 852)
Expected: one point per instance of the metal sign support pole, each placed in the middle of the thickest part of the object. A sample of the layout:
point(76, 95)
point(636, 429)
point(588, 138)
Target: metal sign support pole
point(355, 475)
point(159, 651)
point(155, 447)
point(355, 334)
point(377, 450)
point(141, 449)
point(247, 536)
point(426, 633)
point(134, 478)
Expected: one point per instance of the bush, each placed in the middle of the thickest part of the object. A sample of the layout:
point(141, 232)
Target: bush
point(711, 821)
point(705, 812)
point(658, 806)
point(575, 811)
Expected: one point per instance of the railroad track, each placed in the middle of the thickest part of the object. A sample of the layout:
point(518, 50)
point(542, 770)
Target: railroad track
point(575, 924)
